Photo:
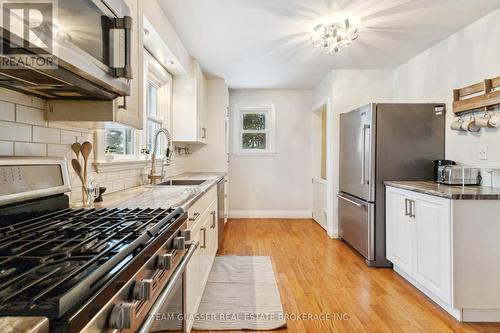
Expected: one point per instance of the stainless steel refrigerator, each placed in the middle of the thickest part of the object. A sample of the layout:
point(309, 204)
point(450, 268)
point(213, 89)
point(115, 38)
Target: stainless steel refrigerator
point(380, 142)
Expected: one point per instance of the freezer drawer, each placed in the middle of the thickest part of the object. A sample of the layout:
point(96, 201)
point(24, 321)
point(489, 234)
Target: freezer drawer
point(356, 219)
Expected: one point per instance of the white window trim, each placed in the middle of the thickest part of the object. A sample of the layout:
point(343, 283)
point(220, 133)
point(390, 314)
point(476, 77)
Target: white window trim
point(160, 75)
point(100, 139)
point(154, 72)
point(242, 108)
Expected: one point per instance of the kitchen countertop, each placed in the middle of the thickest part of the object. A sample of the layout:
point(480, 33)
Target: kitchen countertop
point(148, 196)
point(24, 325)
point(455, 192)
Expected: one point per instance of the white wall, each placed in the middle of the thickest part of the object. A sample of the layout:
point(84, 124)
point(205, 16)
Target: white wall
point(346, 90)
point(279, 185)
point(467, 57)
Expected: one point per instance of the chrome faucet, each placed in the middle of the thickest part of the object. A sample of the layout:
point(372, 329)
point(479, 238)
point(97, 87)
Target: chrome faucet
point(165, 160)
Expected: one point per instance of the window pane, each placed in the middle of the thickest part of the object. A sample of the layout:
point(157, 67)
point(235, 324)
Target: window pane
point(152, 127)
point(121, 140)
point(152, 99)
point(254, 121)
point(253, 141)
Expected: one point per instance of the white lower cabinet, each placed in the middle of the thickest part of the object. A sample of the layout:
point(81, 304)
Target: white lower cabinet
point(399, 231)
point(203, 225)
point(432, 259)
point(418, 233)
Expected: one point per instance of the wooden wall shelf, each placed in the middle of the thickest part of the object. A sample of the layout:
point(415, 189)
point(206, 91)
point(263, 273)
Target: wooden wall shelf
point(488, 97)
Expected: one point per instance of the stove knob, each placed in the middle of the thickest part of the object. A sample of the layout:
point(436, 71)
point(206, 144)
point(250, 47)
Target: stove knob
point(121, 316)
point(142, 290)
point(186, 233)
point(179, 243)
point(164, 261)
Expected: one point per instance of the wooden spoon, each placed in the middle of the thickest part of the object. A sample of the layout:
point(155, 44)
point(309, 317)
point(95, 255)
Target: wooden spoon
point(78, 169)
point(76, 149)
point(86, 149)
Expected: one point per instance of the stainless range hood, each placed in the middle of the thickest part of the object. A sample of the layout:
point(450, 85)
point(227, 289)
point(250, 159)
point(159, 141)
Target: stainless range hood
point(91, 44)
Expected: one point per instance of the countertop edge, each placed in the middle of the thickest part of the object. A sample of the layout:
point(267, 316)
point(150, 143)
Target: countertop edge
point(416, 186)
point(135, 197)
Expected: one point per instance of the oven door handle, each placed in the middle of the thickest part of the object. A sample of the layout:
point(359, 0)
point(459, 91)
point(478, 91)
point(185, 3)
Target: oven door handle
point(168, 289)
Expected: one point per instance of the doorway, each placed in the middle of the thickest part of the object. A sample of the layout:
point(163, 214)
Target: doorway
point(319, 165)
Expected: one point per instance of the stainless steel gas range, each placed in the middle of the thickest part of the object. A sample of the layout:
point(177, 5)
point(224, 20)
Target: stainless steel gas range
point(98, 270)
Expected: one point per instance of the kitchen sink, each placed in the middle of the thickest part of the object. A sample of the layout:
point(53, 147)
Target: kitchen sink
point(182, 182)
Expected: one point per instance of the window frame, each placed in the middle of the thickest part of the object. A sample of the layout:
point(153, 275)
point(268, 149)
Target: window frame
point(241, 109)
point(155, 73)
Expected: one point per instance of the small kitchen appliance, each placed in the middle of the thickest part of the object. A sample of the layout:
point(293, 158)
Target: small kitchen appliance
point(459, 175)
point(437, 164)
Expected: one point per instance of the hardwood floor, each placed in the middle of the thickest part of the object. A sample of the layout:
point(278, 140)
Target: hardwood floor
point(319, 275)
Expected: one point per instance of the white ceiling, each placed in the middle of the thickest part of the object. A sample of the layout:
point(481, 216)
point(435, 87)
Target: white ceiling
point(265, 43)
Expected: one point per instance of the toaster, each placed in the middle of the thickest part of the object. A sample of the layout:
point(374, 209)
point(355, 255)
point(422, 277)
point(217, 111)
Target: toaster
point(459, 175)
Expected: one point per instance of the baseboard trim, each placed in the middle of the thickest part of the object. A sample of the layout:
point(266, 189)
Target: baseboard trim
point(334, 233)
point(276, 214)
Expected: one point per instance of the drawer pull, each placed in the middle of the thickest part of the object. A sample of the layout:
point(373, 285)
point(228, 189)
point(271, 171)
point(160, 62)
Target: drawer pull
point(213, 219)
point(204, 230)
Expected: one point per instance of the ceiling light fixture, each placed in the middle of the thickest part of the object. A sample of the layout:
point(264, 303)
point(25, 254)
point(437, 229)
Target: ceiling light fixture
point(330, 37)
point(169, 62)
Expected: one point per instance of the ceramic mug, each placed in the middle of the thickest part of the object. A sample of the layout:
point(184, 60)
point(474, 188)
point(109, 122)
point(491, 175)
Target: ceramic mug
point(470, 125)
point(483, 121)
point(456, 125)
point(494, 121)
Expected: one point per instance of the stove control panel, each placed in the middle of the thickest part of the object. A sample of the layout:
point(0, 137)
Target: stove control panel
point(142, 290)
point(179, 243)
point(164, 262)
point(121, 316)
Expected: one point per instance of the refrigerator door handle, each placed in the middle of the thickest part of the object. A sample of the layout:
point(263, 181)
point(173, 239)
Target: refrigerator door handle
point(364, 179)
point(360, 205)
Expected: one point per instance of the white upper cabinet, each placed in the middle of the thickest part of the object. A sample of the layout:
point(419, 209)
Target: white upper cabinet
point(190, 108)
point(125, 110)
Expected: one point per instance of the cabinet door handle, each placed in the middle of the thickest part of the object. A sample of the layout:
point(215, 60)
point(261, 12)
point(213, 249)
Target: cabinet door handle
point(412, 208)
point(204, 135)
point(406, 207)
point(204, 230)
point(213, 219)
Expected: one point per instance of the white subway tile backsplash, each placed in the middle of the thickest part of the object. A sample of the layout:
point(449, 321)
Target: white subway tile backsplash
point(99, 177)
point(29, 115)
point(6, 148)
point(59, 151)
point(30, 149)
point(112, 175)
point(15, 97)
point(14, 131)
point(7, 111)
point(70, 137)
point(118, 185)
point(24, 132)
point(124, 174)
point(46, 135)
